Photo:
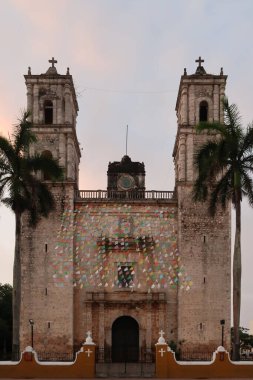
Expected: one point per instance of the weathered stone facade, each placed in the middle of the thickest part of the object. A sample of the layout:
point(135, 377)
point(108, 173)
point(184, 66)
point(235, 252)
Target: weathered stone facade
point(203, 242)
point(142, 237)
point(155, 258)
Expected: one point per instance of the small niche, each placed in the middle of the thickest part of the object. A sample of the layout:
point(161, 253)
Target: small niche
point(46, 247)
point(46, 291)
point(48, 325)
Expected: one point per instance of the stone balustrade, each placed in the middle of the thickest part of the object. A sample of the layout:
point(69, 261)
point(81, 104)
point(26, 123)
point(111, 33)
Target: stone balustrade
point(113, 195)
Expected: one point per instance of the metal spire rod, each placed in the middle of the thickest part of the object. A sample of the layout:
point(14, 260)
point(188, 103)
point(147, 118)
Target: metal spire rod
point(126, 138)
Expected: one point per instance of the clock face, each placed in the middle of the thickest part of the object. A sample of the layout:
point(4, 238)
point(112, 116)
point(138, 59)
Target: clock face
point(126, 182)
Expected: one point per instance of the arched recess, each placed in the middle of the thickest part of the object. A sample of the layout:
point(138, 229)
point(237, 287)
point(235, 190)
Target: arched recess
point(207, 104)
point(125, 340)
point(203, 111)
point(48, 112)
point(47, 154)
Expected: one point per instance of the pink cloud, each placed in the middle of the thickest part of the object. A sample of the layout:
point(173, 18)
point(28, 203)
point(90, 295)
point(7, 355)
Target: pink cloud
point(6, 121)
point(43, 15)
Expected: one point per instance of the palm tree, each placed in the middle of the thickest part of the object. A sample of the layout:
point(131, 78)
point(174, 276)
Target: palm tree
point(225, 167)
point(22, 191)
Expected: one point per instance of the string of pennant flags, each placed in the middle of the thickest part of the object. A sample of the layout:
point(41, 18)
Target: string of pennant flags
point(118, 246)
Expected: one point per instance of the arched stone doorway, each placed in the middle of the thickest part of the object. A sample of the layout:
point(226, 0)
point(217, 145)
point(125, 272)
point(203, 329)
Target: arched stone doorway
point(125, 340)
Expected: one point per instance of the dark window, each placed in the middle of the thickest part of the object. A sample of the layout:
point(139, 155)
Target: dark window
point(203, 111)
point(47, 177)
point(125, 275)
point(48, 112)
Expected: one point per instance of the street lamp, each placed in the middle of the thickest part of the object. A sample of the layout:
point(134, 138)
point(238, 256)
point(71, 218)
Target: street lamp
point(31, 321)
point(222, 322)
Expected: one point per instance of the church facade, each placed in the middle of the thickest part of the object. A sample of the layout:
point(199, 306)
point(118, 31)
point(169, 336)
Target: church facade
point(124, 263)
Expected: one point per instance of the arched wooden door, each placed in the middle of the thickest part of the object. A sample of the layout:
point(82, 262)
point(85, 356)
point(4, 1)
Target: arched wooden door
point(125, 340)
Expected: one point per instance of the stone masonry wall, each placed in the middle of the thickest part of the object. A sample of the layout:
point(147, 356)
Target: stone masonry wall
point(203, 241)
point(50, 306)
point(204, 244)
point(142, 236)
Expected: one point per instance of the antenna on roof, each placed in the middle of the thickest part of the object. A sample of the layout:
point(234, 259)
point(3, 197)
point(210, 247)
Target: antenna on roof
point(126, 138)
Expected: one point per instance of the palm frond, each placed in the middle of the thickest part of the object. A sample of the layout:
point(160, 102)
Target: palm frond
point(224, 162)
point(210, 159)
point(200, 190)
point(46, 165)
point(4, 185)
point(232, 117)
point(23, 135)
point(247, 187)
point(43, 203)
point(205, 155)
point(221, 193)
point(6, 150)
point(20, 189)
point(7, 202)
point(246, 143)
point(210, 128)
point(247, 159)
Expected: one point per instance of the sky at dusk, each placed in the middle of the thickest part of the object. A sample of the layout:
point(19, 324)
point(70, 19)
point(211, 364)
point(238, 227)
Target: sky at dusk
point(126, 58)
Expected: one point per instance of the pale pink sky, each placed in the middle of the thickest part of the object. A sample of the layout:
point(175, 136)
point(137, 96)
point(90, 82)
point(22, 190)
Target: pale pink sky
point(126, 58)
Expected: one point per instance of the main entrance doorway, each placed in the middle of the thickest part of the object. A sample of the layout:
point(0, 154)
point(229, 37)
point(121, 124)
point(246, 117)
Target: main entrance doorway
point(125, 340)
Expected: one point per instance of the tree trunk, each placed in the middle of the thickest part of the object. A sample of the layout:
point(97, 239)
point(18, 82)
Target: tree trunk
point(16, 298)
point(237, 269)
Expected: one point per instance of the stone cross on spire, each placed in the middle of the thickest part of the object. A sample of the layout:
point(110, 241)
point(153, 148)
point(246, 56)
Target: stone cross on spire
point(52, 69)
point(200, 69)
point(199, 61)
point(53, 61)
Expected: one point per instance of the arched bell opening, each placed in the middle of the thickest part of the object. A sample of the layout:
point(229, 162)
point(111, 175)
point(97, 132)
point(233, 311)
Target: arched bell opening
point(48, 112)
point(203, 111)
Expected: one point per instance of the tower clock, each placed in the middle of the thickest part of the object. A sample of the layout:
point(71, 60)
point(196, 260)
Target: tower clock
point(124, 176)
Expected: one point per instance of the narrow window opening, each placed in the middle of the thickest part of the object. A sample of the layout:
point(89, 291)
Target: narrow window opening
point(204, 239)
point(203, 111)
point(201, 326)
point(45, 247)
point(125, 275)
point(204, 279)
point(47, 176)
point(49, 324)
point(46, 291)
point(48, 112)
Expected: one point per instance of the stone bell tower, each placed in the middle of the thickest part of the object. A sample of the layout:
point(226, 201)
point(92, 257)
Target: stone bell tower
point(203, 241)
point(51, 99)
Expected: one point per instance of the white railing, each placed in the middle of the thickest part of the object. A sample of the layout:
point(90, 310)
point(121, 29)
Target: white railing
point(131, 195)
